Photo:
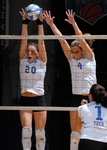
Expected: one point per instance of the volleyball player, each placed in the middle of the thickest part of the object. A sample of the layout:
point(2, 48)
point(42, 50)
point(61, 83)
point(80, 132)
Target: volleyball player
point(32, 72)
point(83, 70)
point(94, 120)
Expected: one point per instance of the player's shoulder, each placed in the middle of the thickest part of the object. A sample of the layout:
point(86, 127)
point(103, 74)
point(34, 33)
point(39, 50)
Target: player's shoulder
point(83, 106)
point(81, 109)
point(23, 60)
point(40, 61)
point(85, 109)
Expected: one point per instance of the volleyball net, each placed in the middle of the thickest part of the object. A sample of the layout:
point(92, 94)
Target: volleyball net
point(11, 89)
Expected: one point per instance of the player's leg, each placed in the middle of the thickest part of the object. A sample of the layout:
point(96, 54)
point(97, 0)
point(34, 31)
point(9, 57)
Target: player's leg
point(26, 121)
point(40, 121)
point(75, 130)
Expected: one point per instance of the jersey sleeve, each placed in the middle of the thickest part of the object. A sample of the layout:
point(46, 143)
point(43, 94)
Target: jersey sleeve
point(22, 61)
point(79, 111)
point(83, 110)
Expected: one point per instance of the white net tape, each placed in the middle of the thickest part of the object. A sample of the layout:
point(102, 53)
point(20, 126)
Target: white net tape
point(38, 108)
point(50, 37)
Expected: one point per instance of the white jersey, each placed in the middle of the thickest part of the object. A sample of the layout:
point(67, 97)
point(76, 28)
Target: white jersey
point(32, 76)
point(94, 122)
point(83, 74)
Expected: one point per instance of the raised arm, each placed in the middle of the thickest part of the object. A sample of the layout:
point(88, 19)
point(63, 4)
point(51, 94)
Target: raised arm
point(64, 44)
point(23, 45)
point(41, 44)
point(86, 48)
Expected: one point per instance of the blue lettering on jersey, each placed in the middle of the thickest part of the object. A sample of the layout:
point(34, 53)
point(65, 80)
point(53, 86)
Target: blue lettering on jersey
point(32, 70)
point(79, 65)
point(90, 104)
point(98, 123)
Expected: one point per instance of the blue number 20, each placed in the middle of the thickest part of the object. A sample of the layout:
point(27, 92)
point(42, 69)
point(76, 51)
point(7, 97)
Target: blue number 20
point(33, 70)
point(99, 113)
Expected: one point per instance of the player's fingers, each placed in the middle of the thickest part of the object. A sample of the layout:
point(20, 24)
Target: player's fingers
point(41, 11)
point(49, 13)
point(53, 18)
point(66, 20)
point(21, 13)
point(68, 12)
point(84, 102)
point(46, 13)
point(73, 14)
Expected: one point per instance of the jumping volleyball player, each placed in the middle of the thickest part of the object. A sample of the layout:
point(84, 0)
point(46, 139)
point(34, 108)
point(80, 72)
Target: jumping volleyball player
point(83, 70)
point(94, 120)
point(32, 72)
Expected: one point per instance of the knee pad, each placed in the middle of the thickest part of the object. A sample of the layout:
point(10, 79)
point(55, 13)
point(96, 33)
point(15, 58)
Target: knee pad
point(26, 137)
point(75, 137)
point(40, 139)
point(40, 135)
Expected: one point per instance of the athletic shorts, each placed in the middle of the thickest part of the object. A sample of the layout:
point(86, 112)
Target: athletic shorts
point(86, 144)
point(32, 101)
point(76, 100)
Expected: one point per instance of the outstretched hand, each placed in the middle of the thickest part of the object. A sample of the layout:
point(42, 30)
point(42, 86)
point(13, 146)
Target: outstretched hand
point(48, 18)
point(70, 15)
point(41, 15)
point(23, 14)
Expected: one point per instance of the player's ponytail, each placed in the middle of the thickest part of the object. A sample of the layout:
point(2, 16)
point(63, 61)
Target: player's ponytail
point(89, 41)
point(103, 101)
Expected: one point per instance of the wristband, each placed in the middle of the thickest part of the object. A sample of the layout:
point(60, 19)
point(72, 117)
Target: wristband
point(26, 21)
point(80, 33)
point(39, 22)
point(24, 39)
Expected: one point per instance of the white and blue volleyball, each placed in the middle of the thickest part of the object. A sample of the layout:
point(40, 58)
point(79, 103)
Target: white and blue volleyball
point(33, 12)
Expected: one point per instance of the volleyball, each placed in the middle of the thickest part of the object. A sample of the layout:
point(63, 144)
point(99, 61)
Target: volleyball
point(33, 12)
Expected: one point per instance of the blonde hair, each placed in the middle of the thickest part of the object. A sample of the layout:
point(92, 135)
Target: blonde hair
point(89, 42)
point(75, 43)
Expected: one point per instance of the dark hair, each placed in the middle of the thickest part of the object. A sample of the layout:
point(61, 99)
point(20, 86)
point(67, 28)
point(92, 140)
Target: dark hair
point(33, 44)
point(99, 94)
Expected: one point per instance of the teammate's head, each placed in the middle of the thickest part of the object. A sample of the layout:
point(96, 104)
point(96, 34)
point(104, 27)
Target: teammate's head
point(98, 94)
point(32, 52)
point(76, 50)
